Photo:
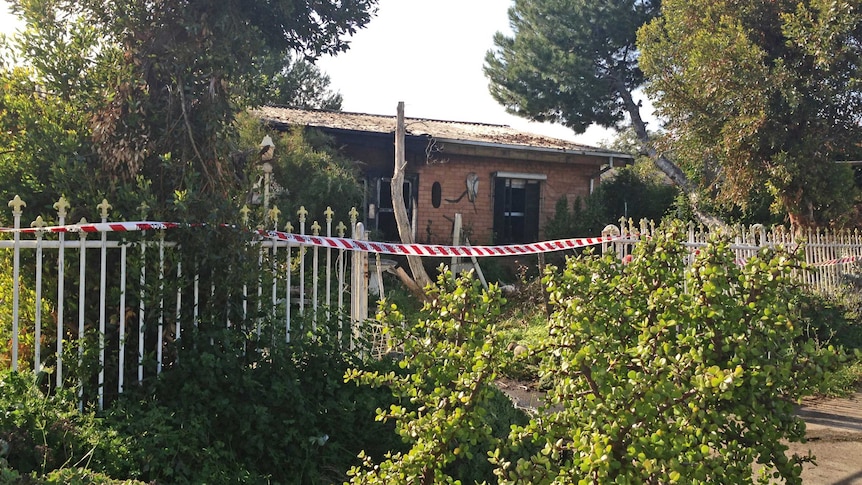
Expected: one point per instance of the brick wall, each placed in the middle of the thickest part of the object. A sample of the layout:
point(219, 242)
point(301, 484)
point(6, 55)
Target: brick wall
point(570, 180)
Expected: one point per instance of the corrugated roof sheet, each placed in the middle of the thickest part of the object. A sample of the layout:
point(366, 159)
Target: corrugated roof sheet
point(451, 130)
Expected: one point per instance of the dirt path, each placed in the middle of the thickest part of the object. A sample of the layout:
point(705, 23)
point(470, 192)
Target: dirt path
point(834, 432)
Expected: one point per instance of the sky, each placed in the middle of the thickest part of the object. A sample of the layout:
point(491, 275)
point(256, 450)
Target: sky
point(429, 54)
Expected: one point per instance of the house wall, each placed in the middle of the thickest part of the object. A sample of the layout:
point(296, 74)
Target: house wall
point(435, 224)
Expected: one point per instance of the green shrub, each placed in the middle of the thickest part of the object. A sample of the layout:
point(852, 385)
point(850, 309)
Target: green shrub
point(628, 194)
point(448, 410)
point(47, 432)
point(281, 414)
point(664, 373)
point(26, 316)
point(82, 476)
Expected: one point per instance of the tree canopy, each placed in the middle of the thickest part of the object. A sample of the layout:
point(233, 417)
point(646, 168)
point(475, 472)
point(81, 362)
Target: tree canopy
point(575, 62)
point(299, 84)
point(569, 61)
point(762, 96)
point(161, 82)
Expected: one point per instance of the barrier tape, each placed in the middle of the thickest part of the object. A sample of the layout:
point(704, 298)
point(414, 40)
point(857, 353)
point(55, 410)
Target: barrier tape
point(372, 246)
point(98, 227)
point(345, 243)
point(438, 250)
point(844, 260)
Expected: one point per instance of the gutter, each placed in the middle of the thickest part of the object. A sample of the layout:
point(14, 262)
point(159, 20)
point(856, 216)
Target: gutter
point(559, 151)
point(598, 175)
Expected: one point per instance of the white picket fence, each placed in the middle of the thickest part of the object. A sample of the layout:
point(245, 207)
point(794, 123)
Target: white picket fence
point(146, 293)
point(147, 290)
point(831, 255)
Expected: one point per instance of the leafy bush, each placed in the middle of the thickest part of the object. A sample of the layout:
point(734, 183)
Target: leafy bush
point(664, 373)
point(628, 195)
point(42, 433)
point(308, 170)
point(274, 413)
point(26, 317)
point(448, 411)
point(82, 476)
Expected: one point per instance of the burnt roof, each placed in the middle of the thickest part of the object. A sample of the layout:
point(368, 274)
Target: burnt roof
point(450, 131)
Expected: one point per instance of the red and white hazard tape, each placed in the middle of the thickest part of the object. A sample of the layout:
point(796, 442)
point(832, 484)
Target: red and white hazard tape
point(832, 262)
point(97, 227)
point(438, 250)
point(371, 246)
point(344, 243)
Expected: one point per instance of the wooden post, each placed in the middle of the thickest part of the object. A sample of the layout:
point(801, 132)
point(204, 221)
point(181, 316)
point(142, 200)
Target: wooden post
point(456, 241)
point(397, 186)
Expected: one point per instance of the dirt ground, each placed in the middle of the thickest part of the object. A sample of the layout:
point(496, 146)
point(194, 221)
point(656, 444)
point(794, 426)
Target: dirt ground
point(834, 434)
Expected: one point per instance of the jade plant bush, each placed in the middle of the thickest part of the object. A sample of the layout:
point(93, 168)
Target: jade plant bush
point(669, 373)
point(448, 411)
point(681, 366)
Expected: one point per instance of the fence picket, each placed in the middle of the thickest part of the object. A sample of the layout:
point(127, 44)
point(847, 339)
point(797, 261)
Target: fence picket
point(82, 277)
point(16, 205)
point(121, 358)
point(37, 336)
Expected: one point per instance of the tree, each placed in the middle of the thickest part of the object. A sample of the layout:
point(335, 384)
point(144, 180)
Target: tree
point(762, 95)
point(307, 170)
point(420, 276)
point(180, 72)
point(300, 84)
point(49, 86)
point(575, 62)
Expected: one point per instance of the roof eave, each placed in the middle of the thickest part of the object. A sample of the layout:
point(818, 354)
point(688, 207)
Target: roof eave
point(550, 153)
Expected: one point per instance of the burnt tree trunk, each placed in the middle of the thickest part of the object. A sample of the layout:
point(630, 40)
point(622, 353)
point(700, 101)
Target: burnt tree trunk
point(397, 186)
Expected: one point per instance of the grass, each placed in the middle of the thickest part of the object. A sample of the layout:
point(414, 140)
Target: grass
point(844, 381)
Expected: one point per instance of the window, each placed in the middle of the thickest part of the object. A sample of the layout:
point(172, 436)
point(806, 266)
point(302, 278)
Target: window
point(385, 217)
point(516, 207)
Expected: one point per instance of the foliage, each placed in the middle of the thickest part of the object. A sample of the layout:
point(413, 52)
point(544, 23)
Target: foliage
point(449, 413)
point(156, 88)
point(628, 194)
point(26, 317)
point(524, 323)
point(47, 432)
point(567, 60)
point(762, 96)
point(272, 413)
point(41, 137)
point(82, 476)
point(300, 84)
point(664, 374)
point(575, 62)
point(308, 171)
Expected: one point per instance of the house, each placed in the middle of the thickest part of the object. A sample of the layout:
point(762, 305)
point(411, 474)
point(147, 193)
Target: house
point(504, 182)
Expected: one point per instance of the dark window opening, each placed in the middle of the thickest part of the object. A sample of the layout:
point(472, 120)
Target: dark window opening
point(516, 210)
point(385, 213)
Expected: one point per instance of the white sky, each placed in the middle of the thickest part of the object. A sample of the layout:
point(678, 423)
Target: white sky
point(429, 54)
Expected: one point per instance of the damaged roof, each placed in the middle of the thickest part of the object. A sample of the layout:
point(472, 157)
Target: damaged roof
point(450, 131)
